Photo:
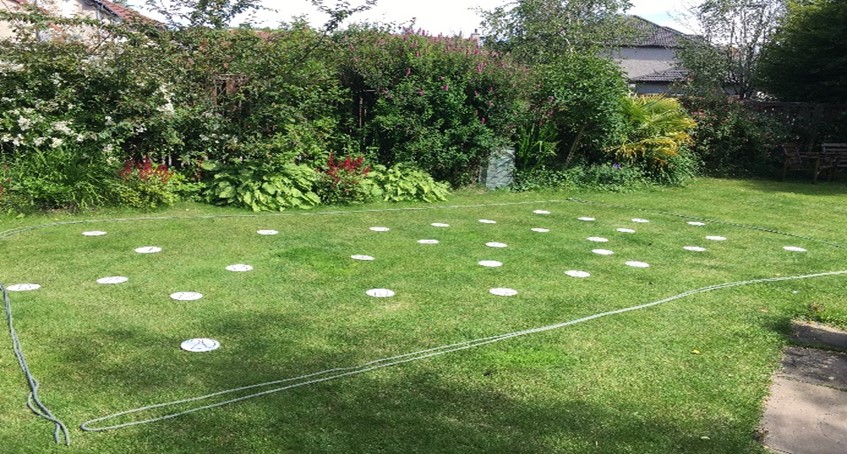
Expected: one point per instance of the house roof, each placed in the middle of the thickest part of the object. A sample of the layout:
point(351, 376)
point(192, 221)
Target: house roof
point(667, 75)
point(649, 34)
point(119, 11)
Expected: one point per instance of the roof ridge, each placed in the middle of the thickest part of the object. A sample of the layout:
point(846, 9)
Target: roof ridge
point(663, 27)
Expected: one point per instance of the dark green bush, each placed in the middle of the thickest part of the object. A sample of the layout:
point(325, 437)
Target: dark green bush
point(441, 104)
point(581, 95)
point(731, 140)
point(610, 177)
point(56, 178)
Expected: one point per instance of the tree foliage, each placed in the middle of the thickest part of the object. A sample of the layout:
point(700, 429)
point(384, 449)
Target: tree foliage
point(728, 51)
point(202, 13)
point(542, 30)
point(807, 59)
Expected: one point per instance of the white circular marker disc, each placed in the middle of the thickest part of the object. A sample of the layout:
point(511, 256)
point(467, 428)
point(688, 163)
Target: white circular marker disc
point(495, 244)
point(715, 238)
point(597, 239)
point(439, 224)
point(267, 232)
point(697, 223)
point(635, 264)
point(186, 296)
point(602, 251)
point(586, 219)
point(22, 287)
point(640, 221)
point(94, 233)
point(112, 280)
point(503, 291)
point(380, 293)
point(490, 263)
point(694, 248)
point(577, 273)
point(148, 250)
point(239, 267)
point(428, 241)
point(380, 229)
point(540, 230)
point(794, 249)
point(541, 212)
point(625, 230)
point(487, 221)
point(199, 345)
point(364, 258)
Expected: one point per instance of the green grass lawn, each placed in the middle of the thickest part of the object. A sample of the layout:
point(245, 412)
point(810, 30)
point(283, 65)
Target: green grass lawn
point(686, 376)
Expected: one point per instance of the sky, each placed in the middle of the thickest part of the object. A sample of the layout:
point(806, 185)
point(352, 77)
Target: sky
point(446, 17)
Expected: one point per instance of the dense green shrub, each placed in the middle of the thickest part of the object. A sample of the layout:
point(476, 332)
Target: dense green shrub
point(343, 181)
point(143, 184)
point(441, 104)
point(56, 178)
point(261, 185)
point(581, 95)
point(733, 141)
point(537, 178)
point(613, 177)
point(401, 183)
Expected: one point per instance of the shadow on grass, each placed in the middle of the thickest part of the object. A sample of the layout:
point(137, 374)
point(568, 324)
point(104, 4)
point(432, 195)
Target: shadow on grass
point(423, 413)
point(437, 405)
point(837, 187)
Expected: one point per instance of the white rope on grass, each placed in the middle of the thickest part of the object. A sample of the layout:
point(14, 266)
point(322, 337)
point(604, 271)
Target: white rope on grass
point(340, 372)
point(713, 221)
point(60, 430)
point(12, 232)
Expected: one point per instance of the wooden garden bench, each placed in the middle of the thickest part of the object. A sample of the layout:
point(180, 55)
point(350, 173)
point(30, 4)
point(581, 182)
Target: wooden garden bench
point(799, 158)
point(836, 155)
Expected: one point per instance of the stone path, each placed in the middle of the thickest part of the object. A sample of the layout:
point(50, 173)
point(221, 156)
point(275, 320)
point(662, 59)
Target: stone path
point(806, 412)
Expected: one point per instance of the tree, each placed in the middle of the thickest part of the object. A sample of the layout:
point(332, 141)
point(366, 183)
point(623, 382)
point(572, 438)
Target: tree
point(540, 30)
point(202, 13)
point(727, 53)
point(807, 59)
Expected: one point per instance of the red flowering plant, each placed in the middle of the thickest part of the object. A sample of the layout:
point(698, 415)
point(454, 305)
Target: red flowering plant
point(344, 181)
point(144, 184)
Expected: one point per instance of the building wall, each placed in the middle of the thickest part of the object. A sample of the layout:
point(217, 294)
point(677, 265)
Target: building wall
point(72, 8)
point(640, 61)
point(5, 27)
point(654, 88)
point(62, 8)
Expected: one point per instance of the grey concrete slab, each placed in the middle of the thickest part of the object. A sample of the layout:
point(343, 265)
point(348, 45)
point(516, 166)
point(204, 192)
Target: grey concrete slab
point(802, 418)
point(816, 334)
point(806, 412)
point(818, 367)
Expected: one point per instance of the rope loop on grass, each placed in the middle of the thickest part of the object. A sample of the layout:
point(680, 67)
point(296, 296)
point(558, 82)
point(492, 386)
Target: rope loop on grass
point(339, 372)
point(61, 432)
point(33, 402)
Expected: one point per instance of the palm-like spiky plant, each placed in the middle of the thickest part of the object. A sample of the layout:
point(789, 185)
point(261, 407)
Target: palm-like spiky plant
point(657, 128)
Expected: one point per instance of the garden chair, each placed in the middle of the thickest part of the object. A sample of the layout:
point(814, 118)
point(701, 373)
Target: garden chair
point(798, 157)
point(792, 158)
point(836, 155)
